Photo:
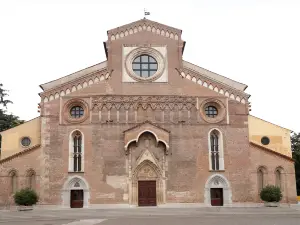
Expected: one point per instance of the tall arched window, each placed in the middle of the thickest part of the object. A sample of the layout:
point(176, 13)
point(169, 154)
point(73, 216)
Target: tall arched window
point(13, 181)
point(279, 178)
point(31, 179)
point(216, 154)
point(76, 150)
point(261, 178)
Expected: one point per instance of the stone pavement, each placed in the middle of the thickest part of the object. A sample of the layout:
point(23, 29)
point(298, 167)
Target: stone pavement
point(155, 215)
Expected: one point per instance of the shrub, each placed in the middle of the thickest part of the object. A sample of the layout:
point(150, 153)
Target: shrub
point(26, 197)
point(271, 193)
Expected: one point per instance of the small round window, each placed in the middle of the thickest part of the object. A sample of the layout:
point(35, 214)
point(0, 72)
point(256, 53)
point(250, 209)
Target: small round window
point(265, 140)
point(144, 66)
point(25, 141)
point(76, 111)
point(211, 111)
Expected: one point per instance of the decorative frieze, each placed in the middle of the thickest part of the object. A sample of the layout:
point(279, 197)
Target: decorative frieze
point(154, 102)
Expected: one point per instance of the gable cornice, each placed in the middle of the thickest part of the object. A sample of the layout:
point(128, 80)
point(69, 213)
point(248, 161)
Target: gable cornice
point(213, 84)
point(272, 151)
point(23, 152)
point(74, 85)
point(144, 25)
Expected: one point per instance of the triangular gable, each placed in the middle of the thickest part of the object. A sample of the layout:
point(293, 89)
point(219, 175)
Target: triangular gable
point(74, 82)
point(71, 77)
point(144, 25)
point(218, 83)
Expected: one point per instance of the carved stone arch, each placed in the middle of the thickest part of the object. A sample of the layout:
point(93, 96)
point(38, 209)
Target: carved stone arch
point(133, 134)
point(218, 181)
point(147, 170)
point(75, 183)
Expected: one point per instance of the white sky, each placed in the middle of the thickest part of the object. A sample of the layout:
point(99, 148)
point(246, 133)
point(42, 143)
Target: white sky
point(256, 42)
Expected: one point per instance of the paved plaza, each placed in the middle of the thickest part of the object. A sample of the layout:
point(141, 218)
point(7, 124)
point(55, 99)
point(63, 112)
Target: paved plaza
point(155, 215)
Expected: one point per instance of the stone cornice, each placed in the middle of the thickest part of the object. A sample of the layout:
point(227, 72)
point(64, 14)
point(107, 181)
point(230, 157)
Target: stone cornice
point(74, 85)
point(214, 85)
point(144, 25)
point(272, 151)
point(9, 158)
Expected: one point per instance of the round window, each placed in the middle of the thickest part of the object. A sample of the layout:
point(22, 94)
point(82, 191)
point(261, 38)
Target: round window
point(265, 140)
point(144, 66)
point(76, 111)
point(25, 141)
point(211, 111)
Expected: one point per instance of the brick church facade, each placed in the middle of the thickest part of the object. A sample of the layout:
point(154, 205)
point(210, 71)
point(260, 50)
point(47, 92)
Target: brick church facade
point(145, 127)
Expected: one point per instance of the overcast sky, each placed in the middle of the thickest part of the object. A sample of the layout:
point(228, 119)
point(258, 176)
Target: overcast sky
point(256, 42)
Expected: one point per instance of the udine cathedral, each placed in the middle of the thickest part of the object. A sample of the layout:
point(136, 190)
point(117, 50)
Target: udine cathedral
point(145, 128)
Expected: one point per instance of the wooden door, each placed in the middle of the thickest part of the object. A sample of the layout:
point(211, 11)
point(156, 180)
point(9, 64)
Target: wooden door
point(216, 196)
point(76, 198)
point(147, 193)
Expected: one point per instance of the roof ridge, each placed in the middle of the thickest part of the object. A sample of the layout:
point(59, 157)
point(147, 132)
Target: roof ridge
point(19, 153)
point(272, 151)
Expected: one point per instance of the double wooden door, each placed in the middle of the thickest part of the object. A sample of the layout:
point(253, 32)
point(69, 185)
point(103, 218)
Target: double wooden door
point(147, 193)
point(76, 198)
point(216, 196)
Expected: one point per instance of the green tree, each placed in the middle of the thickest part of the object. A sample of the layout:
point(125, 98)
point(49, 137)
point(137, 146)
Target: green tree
point(7, 120)
point(295, 140)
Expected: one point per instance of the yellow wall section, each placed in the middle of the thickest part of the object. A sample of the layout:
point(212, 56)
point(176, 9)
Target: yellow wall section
point(11, 139)
point(280, 140)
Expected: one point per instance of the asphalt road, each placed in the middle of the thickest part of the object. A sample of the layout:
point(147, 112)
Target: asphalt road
point(154, 216)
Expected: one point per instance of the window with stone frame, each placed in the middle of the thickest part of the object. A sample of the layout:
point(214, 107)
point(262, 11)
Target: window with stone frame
point(278, 178)
point(216, 154)
point(14, 182)
point(260, 179)
point(31, 176)
point(76, 152)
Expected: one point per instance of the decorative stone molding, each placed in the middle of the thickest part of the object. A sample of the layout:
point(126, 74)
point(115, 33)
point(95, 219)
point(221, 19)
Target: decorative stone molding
point(75, 102)
point(72, 86)
point(218, 181)
point(216, 103)
point(75, 183)
point(133, 134)
point(148, 51)
point(155, 102)
point(144, 25)
point(214, 85)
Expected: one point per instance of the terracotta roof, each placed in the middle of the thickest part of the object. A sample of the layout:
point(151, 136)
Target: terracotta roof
point(28, 150)
point(272, 151)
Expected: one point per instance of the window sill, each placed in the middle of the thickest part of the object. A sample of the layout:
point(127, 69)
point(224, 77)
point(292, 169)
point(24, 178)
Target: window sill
point(75, 172)
point(216, 170)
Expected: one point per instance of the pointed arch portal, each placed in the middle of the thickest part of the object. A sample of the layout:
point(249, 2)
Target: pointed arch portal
point(75, 193)
point(147, 151)
point(217, 191)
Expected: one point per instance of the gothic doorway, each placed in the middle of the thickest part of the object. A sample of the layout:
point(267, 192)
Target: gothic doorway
point(147, 193)
point(75, 192)
point(216, 196)
point(76, 199)
point(217, 191)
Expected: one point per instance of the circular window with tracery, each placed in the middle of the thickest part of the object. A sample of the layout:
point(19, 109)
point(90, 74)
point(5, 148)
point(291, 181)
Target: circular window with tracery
point(211, 111)
point(144, 66)
point(25, 142)
point(76, 111)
